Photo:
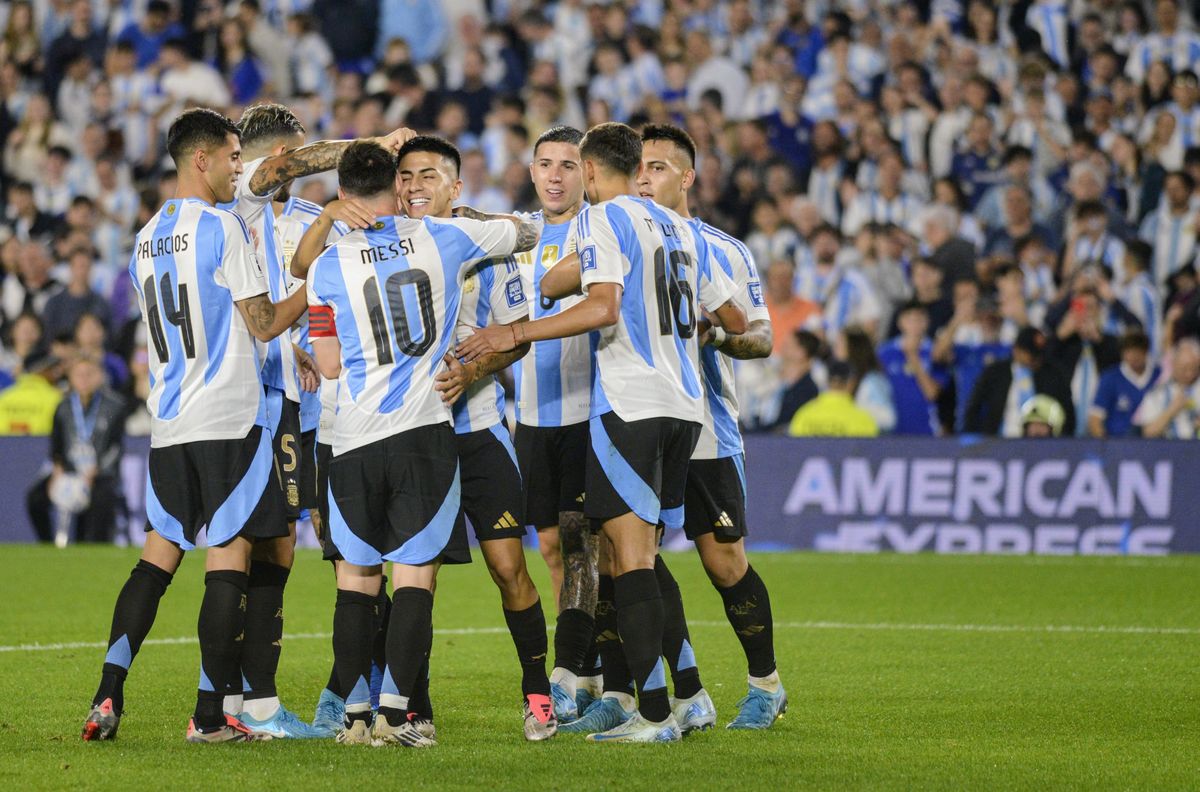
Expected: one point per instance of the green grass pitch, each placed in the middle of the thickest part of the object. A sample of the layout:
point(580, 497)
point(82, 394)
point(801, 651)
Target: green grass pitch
point(903, 672)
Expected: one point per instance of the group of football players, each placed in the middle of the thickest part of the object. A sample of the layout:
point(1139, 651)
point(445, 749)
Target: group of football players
point(343, 360)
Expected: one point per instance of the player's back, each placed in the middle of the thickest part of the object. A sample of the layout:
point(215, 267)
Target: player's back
point(190, 264)
point(393, 293)
point(648, 362)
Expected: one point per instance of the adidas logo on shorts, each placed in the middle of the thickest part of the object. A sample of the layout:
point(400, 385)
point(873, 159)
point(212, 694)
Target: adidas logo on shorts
point(724, 521)
point(506, 521)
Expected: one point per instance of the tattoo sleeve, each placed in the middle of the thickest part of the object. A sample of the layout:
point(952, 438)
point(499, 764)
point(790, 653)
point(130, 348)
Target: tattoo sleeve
point(260, 312)
point(304, 161)
point(754, 343)
point(581, 555)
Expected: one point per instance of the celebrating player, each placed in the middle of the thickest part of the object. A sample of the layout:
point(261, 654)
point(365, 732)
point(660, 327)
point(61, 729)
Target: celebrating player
point(491, 482)
point(192, 264)
point(381, 301)
point(554, 389)
point(643, 281)
point(715, 513)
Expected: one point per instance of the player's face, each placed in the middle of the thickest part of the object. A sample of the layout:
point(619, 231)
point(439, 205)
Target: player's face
point(428, 186)
point(666, 174)
point(223, 166)
point(557, 175)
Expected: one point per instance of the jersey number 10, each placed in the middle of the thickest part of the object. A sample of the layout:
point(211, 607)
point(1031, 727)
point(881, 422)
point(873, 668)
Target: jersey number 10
point(676, 303)
point(394, 298)
point(176, 311)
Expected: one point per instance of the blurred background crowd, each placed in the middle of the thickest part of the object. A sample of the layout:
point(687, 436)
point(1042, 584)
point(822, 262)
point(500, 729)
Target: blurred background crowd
point(954, 206)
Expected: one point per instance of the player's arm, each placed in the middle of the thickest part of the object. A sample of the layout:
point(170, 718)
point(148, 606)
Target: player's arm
point(318, 157)
point(601, 308)
point(268, 320)
point(459, 376)
point(563, 278)
point(528, 231)
point(347, 210)
point(755, 343)
point(328, 352)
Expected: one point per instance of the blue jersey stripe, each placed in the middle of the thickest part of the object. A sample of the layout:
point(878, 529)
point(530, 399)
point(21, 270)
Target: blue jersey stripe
point(215, 306)
point(633, 302)
point(172, 397)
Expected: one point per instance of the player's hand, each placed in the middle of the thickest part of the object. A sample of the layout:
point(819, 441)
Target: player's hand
point(452, 382)
point(486, 340)
point(350, 211)
point(310, 378)
point(397, 138)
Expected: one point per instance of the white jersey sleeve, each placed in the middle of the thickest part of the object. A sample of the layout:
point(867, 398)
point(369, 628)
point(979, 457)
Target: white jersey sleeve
point(249, 206)
point(600, 257)
point(241, 270)
point(474, 241)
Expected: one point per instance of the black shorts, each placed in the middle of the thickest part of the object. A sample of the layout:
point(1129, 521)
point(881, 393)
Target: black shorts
point(491, 484)
point(638, 467)
point(396, 499)
point(553, 462)
point(715, 500)
point(323, 456)
point(286, 446)
point(308, 469)
point(227, 485)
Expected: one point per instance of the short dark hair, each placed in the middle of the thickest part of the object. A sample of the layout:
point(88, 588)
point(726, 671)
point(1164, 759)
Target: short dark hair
point(672, 134)
point(198, 128)
point(614, 145)
point(916, 305)
point(824, 228)
point(1139, 252)
point(158, 7)
point(367, 169)
point(559, 134)
point(1188, 181)
point(1090, 209)
point(268, 121)
point(1135, 338)
point(808, 341)
point(432, 145)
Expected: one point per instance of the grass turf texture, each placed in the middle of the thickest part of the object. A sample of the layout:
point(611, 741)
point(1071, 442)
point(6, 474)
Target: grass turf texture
point(902, 673)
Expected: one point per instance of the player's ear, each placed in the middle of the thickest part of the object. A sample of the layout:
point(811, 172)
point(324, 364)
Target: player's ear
point(341, 194)
point(200, 160)
point(640, 169)
point(456, 190)
point(689, 178)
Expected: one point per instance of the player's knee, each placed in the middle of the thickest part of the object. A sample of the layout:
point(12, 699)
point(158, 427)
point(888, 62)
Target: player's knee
point(724, 562)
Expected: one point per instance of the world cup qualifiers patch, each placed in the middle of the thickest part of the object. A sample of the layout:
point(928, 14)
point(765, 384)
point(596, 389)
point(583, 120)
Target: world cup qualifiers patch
point(514, 292)
point(587, 258)
point(756, 295)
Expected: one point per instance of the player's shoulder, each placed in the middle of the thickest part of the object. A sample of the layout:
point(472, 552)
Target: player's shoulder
point(302, 209)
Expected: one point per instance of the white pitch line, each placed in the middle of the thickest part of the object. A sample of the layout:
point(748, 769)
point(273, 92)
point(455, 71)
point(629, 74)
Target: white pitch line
point(804, 625)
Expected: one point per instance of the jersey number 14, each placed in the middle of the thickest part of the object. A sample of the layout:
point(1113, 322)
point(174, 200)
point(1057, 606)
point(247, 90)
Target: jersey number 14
point(176, 310)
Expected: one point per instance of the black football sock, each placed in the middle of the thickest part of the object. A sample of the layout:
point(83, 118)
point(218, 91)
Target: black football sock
point(591, 660)
point(617, 678)
point(677, 644)
point(640, 619)
point(333, 686)
point(409, 631)
point(264, 628)
point(573, 640)
point(383, 615)
point(353, 631)
point(133, 616)
point(748, 608)
point(528, 630)
point(222, 620)
point(419, 702)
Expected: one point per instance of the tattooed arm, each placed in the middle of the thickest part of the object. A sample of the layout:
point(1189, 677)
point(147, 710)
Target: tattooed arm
point(458, 376)
point(267, 319)
point(313, 158)
point(754, 343)
point(528, 231)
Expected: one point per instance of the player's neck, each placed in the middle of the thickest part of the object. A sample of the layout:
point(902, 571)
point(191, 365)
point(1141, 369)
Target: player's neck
point(565, 216)
point(194, 189)
point(610, 187)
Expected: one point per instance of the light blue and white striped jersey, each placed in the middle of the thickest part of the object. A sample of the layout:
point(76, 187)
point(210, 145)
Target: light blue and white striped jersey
point(1105, 249)
point(279, 360)
point(1049, 19)
point(190, 264)
point(1180, 51)
point(394, 292)
point(872, 207)
point(492, 294)
point(1173, 237)
point(297, 215)
point(554, 381)
point(1144, 301)
point(719, 434)
point(647, 363)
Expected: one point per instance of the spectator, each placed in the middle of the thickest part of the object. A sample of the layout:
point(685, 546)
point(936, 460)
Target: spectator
point(310, 58)
point(28, 145)
point(978, 167)
point(789, 312)
point(64, 309)
point(85, 450)
point(929, 292)
point(91, 339)
point(1122, 388)
point(21, 45)
point(1171, 228)
point(887, 204)
point(155, 30)
point(79, 39)
point(916, 381)
point(27, 406)
point(1139, 294)
point(421, 23)
point(872, 390)
point(1042, 416)
point(968, 344)
point(796, 386)
point(31, 287)
point(237, 64)
point(1171, 409)
point(22, 339)
point(1005, 386)
point(952, 254)
point(22, 218)
point(1081, 347)
point(839, 287)
point(834, 413)
point(772, 239)
point(1089, 241)
point(186, 82)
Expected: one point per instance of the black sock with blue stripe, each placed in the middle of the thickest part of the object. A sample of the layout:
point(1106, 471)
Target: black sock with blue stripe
point(221, 624)
point(133, 616)
point(640, 619)
point(617, 678)
point(354, 625)
point(264, 628)
point(677, 644)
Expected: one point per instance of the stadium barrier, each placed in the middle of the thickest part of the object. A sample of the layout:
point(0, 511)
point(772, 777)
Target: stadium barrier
point(906, 495)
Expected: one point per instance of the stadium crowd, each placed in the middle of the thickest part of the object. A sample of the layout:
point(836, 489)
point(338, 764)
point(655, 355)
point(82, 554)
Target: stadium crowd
point(953, 205)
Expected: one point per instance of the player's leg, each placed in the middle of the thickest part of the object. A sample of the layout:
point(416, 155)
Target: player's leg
point(173, 501)
point(355, 622)
point(493, 501)
point(331, 707)
point(409, 636)
point(551, 552)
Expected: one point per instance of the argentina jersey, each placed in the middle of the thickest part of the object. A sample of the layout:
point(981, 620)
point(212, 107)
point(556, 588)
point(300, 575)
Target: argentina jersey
point(190, 264)
point(719, 434)
point(647, 363)
point(492, 294)
point(388, 294)
point(279, 360)
point(554, 381)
